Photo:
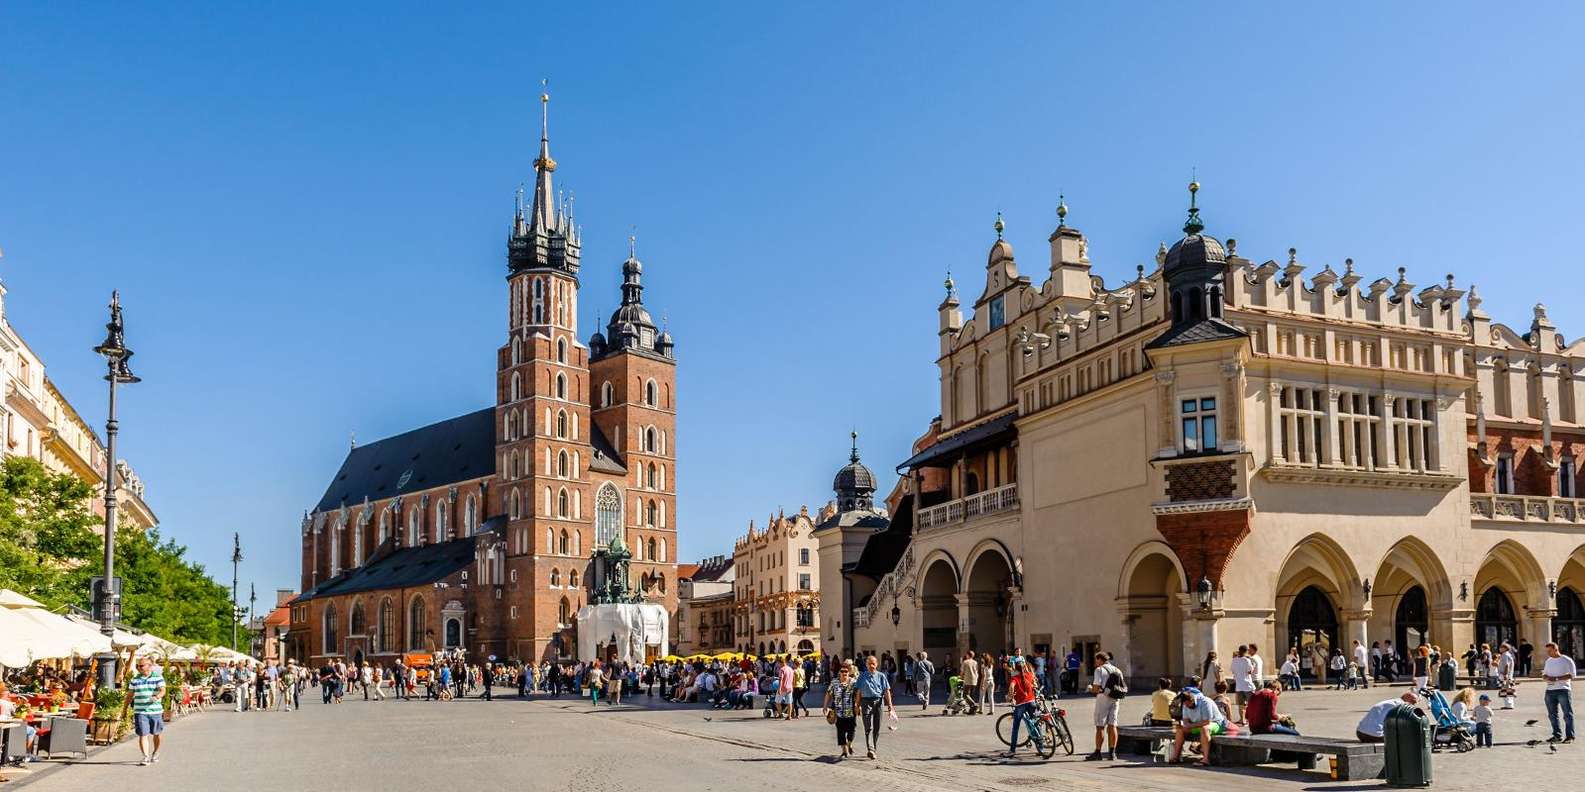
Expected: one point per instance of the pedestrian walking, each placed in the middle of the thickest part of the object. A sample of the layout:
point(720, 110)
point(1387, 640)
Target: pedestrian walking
point(148, 709)
point(1243, 682)
point(1483, 719)
point(841, 707)
point(1210, 671)
point(488, 681)
point(924, 671)
point(875, 691)
point(594, 678)
point(1362, 660)
point(1559, 672)
point(800, 686)
point(987, 684)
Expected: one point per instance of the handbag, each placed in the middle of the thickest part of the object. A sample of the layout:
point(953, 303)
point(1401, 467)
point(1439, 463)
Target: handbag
point(831, 716)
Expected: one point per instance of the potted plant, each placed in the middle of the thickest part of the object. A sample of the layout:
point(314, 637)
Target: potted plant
point(107, 713)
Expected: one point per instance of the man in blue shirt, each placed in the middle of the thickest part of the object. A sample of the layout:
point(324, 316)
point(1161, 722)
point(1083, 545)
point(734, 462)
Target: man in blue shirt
point(875, 688)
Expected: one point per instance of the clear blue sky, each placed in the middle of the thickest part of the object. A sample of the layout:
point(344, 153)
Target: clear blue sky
point(305, 205)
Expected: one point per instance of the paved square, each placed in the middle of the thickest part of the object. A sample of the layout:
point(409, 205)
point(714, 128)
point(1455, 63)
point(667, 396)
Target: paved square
point(565, 744)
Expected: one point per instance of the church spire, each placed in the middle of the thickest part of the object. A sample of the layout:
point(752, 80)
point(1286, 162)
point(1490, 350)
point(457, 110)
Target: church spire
point(544, 196)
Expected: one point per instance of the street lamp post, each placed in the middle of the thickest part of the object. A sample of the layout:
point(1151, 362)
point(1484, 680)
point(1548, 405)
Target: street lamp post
point(236, 558)
point(115, 352)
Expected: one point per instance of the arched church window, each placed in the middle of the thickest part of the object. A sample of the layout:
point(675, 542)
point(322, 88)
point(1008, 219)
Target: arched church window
point(561, 350)
point(607, 395)
point(607, 515)
point(561, 386)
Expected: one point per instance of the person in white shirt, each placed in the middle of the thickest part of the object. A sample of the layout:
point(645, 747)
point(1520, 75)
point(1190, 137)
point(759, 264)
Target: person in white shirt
point(1289, 673)
point(1559, 675)
point(1243, 684)
point(1109, 687)
point(1362, 659)
point(1373, 727)
point(1257, 667)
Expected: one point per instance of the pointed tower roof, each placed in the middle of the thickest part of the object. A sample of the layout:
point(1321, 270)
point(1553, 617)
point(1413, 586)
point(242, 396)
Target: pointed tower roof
point(542, 236)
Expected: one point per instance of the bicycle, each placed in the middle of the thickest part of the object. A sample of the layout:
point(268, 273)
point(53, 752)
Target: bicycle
point(1047, 728)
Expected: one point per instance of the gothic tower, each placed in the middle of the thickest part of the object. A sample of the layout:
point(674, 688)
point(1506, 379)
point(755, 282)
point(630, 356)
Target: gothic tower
point(543, 443)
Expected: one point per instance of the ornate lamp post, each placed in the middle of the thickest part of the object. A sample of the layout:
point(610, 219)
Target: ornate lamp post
point(114, 349)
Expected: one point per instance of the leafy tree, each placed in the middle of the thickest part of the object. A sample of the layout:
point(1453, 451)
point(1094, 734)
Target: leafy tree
point(49, 551)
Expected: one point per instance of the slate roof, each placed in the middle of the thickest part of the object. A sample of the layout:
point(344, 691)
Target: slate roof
point(453, 450)
point(606, 459)
point(456, 449)
point(987, 432)
point(405, 567)
point(1209, 329)
point(885, 547)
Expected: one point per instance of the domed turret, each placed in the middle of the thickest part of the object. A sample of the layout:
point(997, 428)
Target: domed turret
point(1194, 269)
point(854, 483)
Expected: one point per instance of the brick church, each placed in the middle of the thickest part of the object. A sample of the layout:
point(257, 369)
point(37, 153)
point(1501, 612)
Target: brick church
point(484, 532)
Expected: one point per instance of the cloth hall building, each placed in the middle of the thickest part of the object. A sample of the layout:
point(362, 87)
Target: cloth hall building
point(488, 531)
point(1218, 452)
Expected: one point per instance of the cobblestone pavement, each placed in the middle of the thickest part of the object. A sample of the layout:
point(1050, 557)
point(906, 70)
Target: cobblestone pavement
point(565, 744)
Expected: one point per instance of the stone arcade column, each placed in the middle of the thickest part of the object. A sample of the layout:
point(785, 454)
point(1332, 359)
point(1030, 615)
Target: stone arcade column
point(965, 626)
point(1540, 632)
point(1356, 627)
point(1200, 635)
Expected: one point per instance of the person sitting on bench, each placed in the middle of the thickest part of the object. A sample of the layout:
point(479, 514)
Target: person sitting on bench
point(1201, 720)
point(1261, 712)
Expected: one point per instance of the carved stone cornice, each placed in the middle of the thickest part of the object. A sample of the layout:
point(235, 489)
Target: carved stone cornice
point(1196, 507)
point(1346, 477)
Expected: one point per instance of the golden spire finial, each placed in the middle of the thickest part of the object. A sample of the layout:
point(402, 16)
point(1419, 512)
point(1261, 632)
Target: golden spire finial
point(1062, 211)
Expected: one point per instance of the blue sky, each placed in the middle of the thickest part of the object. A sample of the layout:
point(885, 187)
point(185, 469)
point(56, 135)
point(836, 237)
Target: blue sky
point(305, 205)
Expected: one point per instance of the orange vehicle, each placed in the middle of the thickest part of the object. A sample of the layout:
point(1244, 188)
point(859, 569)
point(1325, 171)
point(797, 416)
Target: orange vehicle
point(422, 662)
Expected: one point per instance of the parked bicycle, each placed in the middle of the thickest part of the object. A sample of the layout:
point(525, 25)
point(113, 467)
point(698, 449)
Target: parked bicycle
point(1047, 728)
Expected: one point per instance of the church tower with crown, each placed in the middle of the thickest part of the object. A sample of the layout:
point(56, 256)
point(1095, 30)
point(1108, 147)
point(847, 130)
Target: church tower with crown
point(584, 430)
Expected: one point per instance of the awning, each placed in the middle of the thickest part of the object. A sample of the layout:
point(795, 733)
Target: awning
point(996, 431)
point(42, 635)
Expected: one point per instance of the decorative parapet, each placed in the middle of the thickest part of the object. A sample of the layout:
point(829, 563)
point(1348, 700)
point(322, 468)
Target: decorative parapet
point(994, 501)
point(1526, 508)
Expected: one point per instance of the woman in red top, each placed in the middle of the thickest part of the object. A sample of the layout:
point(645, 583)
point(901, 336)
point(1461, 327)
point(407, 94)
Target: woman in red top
point(1021, 692)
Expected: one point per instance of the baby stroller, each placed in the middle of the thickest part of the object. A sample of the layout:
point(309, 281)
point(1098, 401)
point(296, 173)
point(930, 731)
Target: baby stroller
point(957, 703)
point(768, 686)
point(1449, 731)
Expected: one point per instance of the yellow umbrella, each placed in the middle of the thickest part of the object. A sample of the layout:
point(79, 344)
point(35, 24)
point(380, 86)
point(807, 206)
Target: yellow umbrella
point(723, 656)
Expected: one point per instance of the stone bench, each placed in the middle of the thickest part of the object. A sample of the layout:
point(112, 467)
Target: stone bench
point(1355, 760)
point(1142, 740)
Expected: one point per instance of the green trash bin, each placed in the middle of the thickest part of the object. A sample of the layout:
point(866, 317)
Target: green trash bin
point(1408, 747)
point(1447, 677)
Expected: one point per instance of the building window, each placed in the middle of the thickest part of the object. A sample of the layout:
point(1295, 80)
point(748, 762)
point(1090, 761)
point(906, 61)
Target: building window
point(1565, 477)
point(566, 545)
point(1303, 424)
point(1505, 474)
point(561, 464)
point(386, 639)
point(650, 511)
point(607, 395)
point(332, 641)
point(607, 515)
point(803, 581)
point(806, 617)
point(514, 611)
point(440, 522)
point(998, 313)
point(649, 393)
point(561, 423)
point(564, 613)
point(470, 516)
point(561, 386)
point(561, 350)
point(1358, 425)
point(415, 625)
point(555, 578)
point(651, 475)
point(1199, 425)
point(572, 579)
point(1414, 433)
point(803, 556)
point(355, 623)
point(517, 387)
point(563, 508)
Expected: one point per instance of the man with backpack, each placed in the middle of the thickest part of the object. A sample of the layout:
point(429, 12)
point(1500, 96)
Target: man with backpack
point(1109, 688)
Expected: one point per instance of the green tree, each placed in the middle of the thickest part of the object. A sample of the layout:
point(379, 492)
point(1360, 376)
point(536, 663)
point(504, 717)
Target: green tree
point(49, 551)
